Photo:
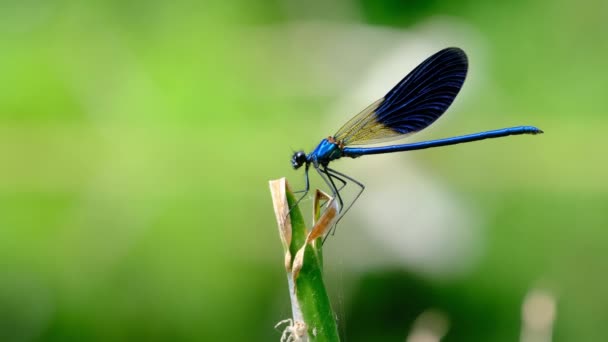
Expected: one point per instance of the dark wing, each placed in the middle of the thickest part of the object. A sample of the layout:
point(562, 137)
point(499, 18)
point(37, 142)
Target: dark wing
point(413, 104)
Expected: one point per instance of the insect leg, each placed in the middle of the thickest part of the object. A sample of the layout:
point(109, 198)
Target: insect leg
point(306, 189)
point(329, 181)
point(335, 174)
point(304, 192)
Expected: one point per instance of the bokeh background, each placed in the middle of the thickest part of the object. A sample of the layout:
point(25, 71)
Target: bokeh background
point(137, 139)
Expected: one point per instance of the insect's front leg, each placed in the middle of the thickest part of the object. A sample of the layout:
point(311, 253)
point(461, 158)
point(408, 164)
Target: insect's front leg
point(307, 186)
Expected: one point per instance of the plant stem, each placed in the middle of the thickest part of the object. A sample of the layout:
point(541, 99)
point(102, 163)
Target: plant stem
point(303, 262)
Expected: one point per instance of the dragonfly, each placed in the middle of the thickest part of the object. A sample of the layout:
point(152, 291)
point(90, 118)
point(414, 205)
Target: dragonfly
point(417, 101)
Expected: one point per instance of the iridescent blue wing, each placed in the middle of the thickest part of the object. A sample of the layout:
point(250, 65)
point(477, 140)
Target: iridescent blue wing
point(413, 104)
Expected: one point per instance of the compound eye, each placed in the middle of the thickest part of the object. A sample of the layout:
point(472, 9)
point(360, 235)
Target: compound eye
point(298, 159)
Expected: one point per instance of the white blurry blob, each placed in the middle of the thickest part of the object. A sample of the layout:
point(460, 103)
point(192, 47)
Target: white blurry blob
point(431, 326)
point(539, 310)
point(412, 219)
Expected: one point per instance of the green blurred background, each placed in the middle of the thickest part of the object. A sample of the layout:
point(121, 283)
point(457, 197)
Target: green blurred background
point(137, 139)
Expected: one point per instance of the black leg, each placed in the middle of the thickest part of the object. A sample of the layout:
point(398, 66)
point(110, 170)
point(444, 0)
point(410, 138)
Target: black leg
point(332, 185)
point(335, 174)
point(327, 181)
point(344, 183)
point(334, 189)
point(339, 180)
point(306, 189)
point(328, 178)
point(331, 177)
point(328, 175)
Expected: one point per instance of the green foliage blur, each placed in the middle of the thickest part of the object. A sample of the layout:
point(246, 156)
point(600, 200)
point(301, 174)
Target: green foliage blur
point(137, 139)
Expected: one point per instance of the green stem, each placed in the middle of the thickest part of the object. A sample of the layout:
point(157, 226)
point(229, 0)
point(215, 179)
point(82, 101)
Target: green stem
point(304, 265)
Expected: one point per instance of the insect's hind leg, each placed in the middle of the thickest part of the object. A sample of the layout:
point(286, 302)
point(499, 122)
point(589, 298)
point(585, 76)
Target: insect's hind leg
point(329, 181)
point(335, 225)
point(335, 190)
point(337, 175)
point(334, 177)
point(331, 175)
